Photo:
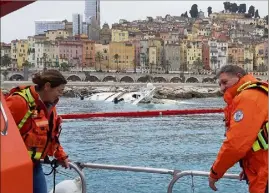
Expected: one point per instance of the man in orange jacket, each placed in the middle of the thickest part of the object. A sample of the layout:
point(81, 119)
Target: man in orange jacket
point(246, 117)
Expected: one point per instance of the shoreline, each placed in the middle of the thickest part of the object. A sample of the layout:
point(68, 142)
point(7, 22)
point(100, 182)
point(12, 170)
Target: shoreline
point(172, 91)
point(11, 84)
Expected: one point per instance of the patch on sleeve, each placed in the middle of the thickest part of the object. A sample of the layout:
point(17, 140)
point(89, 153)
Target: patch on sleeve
point(238, 115)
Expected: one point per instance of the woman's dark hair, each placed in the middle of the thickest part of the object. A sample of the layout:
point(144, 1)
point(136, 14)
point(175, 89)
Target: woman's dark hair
point(54, 77)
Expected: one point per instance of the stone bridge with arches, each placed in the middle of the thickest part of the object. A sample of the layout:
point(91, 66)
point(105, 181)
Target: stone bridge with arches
point(128, 77)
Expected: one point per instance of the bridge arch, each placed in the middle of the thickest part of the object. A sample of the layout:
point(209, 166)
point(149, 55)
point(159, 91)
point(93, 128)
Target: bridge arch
point(126, 79)
point(208, 79)
point(146, 78)
point(16, 77)
point(91, 79)
point(192, 80)
point(73, 78)
point(176, 80)
point(159, 79)
point(109, 78)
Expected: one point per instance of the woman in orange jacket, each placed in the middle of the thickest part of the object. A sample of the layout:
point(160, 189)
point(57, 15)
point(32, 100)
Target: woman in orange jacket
point(246, 117)
point(33, 109)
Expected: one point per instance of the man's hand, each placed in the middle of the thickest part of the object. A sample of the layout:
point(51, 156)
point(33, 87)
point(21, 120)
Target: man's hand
point(211, 182)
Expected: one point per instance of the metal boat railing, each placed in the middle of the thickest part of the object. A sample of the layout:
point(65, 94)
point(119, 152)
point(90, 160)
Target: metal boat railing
point(176, 174)
point(80, 173)
point(3, 112)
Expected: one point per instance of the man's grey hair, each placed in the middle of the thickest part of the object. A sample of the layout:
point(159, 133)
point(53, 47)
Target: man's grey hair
point(232, 70)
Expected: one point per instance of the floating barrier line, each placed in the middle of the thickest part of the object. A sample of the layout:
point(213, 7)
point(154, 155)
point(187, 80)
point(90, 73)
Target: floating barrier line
point(153, 113)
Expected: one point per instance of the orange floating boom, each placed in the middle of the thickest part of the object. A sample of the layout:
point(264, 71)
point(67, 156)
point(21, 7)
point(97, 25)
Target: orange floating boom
point(141, 113)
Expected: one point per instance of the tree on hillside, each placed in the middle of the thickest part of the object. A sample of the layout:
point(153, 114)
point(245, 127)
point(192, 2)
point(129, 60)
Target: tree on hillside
point(44, 58)
point(234, 8)
point(256, 15)
point(198, 65)
point(209, 11)
point(242, 8)
point(247, 15)
point(64, 66)
point(26, 63)
point(166, 66)
point(265, 32)
point(5, 73)
point(266, 18)
point(5, 60)
point(116, 58)
point(99, 58)
point(151, 66)
point(194, 11)
point(227, 6)
point(251, 10)
point(185, 14)
point(150, 19)
point(214, 61)
point(134, 64)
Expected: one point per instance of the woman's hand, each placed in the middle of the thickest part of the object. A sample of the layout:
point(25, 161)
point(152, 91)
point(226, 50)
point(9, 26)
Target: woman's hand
point(65, 163)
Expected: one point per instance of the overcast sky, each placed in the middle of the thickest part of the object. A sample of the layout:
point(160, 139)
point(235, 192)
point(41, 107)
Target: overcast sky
point(20, 24)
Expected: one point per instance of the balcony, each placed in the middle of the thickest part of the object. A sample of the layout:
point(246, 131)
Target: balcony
point(213, 45)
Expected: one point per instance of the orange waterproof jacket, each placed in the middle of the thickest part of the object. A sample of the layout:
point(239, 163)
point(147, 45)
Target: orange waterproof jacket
point(245, 114)
point(41, 129)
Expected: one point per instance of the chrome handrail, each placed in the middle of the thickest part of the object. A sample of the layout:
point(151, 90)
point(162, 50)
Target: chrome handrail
point(195, 173)
point(175, 173)
point(4, 132)
point(128, 168)
point(80, 173)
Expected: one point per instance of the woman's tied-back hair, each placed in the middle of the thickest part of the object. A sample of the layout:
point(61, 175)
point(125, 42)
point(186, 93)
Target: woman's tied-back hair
point(54, 77)
point(232, 70)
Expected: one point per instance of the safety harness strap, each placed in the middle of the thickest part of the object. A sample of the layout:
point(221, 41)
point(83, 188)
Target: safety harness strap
point(26, 94)
point(262, 138)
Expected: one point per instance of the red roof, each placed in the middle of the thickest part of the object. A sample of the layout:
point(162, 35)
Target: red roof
point(7, 7)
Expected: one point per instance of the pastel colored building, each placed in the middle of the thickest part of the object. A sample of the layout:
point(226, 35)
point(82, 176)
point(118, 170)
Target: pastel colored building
point(172, 56)
point(126, 54)
point(119, 35)
point(104, 50)
point(22, 52)
point(53, 35)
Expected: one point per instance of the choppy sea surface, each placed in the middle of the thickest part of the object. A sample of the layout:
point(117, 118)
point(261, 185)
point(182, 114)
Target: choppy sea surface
point(188, 142)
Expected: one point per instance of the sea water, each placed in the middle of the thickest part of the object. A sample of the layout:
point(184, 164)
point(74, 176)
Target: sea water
point(189, 142)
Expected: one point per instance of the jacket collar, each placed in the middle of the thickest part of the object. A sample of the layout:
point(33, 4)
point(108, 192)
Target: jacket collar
point(37, 97)
point(232, 91)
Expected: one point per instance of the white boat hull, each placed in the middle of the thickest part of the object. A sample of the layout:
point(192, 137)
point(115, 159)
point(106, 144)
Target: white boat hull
point(144, 95)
